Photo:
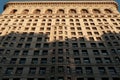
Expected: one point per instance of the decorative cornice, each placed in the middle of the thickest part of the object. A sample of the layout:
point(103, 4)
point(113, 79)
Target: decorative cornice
point(63, 2)
point(16, 2)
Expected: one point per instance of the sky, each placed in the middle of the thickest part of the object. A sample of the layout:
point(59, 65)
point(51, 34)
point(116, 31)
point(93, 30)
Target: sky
point(2, 3)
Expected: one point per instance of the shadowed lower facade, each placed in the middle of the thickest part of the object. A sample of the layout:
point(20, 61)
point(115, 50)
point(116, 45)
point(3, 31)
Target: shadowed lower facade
point(60, 40)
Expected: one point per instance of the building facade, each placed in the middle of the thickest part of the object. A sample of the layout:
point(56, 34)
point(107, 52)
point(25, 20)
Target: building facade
point(60, 40)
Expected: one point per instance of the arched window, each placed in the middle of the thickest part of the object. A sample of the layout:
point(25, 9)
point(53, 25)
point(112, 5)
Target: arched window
point(37, 11)
point(108, 11)
point(57, 20)
point(84, 11)
point(63, 20)
point(96, 11)
point(71, 20)
point(25, 11)
point(72, 11)
point(13, 11)
point(60, 11)
point(49, 11)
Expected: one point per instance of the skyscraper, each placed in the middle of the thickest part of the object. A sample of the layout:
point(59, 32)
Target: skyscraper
point(60, 40)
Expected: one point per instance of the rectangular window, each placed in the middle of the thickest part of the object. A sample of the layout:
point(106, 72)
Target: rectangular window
point(13, 60)
point(102, 70)
point(86, 60)
point(9, 71)
point(77, 60)
point(89, 70)
point(36, 52)
point(98, 60)
point(42, 70)
point(38, 45)
point(43, 60)
point(22, 60)
point(32, 71)
point(19, 71)
point(78, 70)
point(34, 61)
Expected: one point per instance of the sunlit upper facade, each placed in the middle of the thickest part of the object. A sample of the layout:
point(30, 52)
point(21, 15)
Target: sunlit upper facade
point(60, 40)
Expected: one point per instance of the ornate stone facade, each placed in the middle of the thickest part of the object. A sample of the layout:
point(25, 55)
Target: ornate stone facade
point(60, 40)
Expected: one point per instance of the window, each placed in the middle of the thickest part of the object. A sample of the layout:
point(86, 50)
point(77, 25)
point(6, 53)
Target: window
point(52, 69)
point(102, 70)
point(89, 70)
point(49, 11)
point(68, 70)
point(41, 79)
point(29, 39)
point(42, 70)
point(90, 79)
point(46, 45)
point(25, 11)
point(82, 44)
point(32, 71)
point(21, 39)
point(78, 70)
point(105, 78)
point(38, 45)
point(80, 79)
point(34, 61)
point(16, 78)
point(84, 52)
point(25, 52)
point(107, 60)
point(13, 60)
point(89, 33)
point(60, 11)
point(30, 78)
point(84, 11)
point(9, 71)
point(60, 78)
point(53, 60)
point(60, 44)
point(112, 70)
point(43, 60)
point(74, 45)
point(93, 45)
point(108, 11)
point(96, 52)
point(27, 45)
point(45, 52)
point(77, 60)
point(19, 45)
point(39, 39)
point(96, 11)
point(116, 78)
point(72, 11)
point(86, 60)
point(16, 52)
point(81, 39)
point(13, 11)
point(73, 33)
point(60, 51)
point(22, 60)
point(98, 60)
point(60, 69)
point(104, 52)
point(117, 59)
point(60, 59)
point(91, 38)
point(36, 52)
point(101, 44)
point(37, 11)
point(19, 71)
point(76, 52)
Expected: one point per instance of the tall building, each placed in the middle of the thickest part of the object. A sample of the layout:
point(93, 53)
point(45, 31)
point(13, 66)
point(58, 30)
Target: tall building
point(60, 40)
